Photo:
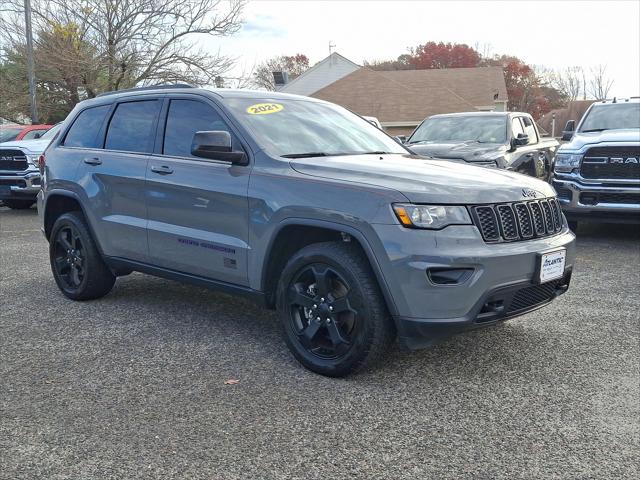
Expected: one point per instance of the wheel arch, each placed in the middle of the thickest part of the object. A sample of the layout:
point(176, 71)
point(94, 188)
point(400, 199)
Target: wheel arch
point(59, 202)
point(293, 234)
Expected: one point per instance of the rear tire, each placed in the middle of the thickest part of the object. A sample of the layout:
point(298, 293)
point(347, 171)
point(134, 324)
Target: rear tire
point(334, 317)
point(77, 266)
point(18, 204)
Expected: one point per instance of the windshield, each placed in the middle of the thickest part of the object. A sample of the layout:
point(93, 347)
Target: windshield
point(476, 128)
point(52, 131)
point(7, 133)
point(612, 116)
point(302, 128)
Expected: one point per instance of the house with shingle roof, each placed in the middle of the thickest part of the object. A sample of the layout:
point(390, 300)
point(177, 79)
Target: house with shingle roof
point(401, 99)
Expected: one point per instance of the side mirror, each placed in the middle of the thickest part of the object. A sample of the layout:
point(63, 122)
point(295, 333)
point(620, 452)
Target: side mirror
point(521, 139)
point(216, 145)
point(569, 128)
point(401, 139)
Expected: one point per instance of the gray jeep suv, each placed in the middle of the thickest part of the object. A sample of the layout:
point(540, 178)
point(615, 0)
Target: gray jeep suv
point(303, 206)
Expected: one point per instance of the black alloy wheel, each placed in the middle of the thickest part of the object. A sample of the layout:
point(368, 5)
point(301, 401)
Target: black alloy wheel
point(76, 263)
point(68, 257)
point(323, 314)
point(334, 317)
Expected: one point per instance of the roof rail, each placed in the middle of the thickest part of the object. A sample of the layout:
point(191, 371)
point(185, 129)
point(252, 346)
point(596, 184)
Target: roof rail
point(150, 87)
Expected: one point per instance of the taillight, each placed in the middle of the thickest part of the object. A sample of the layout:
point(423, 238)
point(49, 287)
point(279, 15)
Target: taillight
point(41, 164)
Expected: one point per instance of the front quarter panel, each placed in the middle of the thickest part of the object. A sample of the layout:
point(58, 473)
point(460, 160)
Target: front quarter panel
point(278, 196)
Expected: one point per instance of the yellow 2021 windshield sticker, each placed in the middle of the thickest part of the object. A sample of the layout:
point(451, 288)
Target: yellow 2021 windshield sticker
point(264, 108)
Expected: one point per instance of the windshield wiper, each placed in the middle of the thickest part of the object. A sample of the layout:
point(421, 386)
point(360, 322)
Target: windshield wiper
point(375, 152)
point(306, 155)
point(594, 130)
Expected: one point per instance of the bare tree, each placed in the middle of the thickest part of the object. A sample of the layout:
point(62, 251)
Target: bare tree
point(569, 82)
point(600, 84)
point(137, 42)
point(294, 65)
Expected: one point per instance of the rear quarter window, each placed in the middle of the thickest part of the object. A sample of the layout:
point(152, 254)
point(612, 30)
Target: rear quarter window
point(84, 131)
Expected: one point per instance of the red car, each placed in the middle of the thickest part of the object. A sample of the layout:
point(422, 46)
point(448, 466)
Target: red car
point(12, 132)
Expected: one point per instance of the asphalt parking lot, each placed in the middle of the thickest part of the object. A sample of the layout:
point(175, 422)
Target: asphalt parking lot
point(133, 385)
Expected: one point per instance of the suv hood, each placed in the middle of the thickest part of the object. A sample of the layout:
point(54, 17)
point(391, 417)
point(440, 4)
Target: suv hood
point(36, 146)
point(426, 181)
point(467, 151)
point(579, 140)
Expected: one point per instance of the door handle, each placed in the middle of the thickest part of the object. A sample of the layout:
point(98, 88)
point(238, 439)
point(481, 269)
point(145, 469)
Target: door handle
point(92, 161)
point(162, 169)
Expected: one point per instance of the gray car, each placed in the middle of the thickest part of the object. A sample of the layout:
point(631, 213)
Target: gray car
point(303, 206)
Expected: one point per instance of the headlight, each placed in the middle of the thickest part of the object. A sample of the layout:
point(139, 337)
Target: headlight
point(33, 160)
point(431, 216)
point(565, 162)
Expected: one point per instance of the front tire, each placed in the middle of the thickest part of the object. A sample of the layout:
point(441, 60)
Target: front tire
point(77, 266)
point(334, 317)
point(573, 225)
point(18, 204)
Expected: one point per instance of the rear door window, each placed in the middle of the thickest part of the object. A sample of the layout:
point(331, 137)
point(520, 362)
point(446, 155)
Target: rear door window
point(132, 127)
point(184, 119)
point(84, 131)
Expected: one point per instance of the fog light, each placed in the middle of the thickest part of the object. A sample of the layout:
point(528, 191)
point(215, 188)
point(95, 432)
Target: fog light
point(448, 276)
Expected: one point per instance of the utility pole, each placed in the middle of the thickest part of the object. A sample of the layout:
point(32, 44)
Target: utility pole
point(30, 73)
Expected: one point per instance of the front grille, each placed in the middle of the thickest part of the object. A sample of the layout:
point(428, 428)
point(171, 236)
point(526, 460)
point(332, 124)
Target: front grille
point(611, 163)
point(534, 295)
point(518, 221)
point(12, 160)
point(13, 183)
point(596, 198)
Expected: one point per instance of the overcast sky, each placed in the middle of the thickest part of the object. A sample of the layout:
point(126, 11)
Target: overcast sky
point(555, 34)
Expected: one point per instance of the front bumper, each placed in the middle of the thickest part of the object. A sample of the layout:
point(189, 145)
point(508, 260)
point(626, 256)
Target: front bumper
point(501, 285)
point(581, 201)
point(495, 306)
point(19, 185)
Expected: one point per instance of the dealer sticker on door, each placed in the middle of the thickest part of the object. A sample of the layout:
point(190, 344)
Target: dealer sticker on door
point(552, 265)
